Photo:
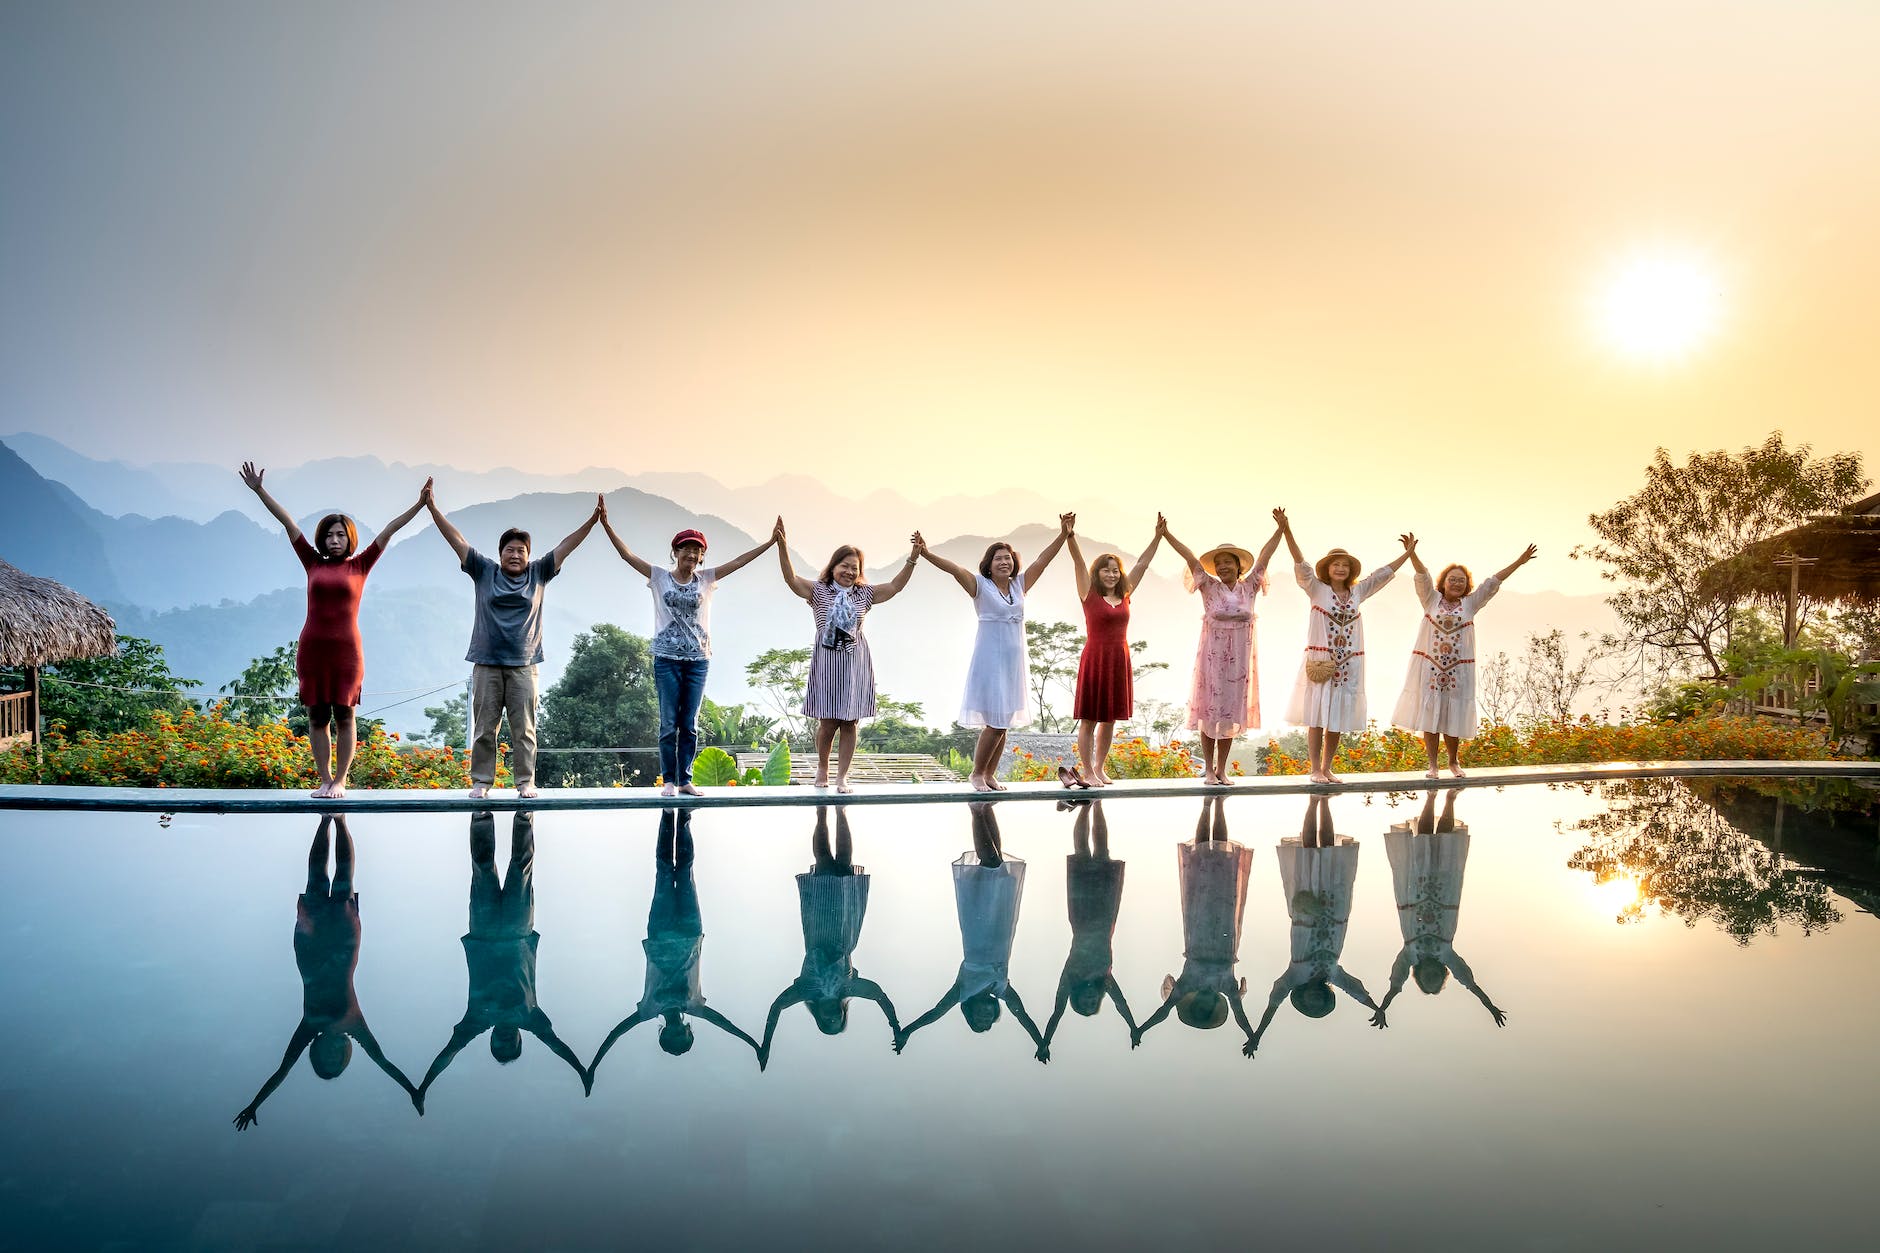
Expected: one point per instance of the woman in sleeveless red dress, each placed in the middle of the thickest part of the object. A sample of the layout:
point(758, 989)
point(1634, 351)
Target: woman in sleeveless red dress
point(1106, 692)
point(330, 657)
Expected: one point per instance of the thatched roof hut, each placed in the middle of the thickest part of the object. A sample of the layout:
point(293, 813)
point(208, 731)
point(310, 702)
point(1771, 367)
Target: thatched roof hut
point(43, 623)
point(1840, 557)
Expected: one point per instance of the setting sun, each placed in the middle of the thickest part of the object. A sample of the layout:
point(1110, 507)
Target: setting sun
point(1658, 305)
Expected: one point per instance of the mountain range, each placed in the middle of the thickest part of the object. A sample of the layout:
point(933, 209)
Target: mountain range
point(219, 589)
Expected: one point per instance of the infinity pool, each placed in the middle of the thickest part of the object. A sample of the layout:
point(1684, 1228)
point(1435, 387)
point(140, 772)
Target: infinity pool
point(1638, 1015)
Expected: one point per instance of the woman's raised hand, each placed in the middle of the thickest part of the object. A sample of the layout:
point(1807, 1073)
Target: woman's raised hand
point(1527, 555)
point(600, 508)
point(776, 532)
point(1067, 523)
point(920, 545)
point(251, 476)
point(425, 494)
point(1408, 541)
point(1279, 518)
point(1161, 527)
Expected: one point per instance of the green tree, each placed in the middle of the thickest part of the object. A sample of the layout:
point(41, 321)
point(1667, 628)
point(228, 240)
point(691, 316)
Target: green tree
point(267, 690)
point(1675, 547)
point(1054, 648)
point(450, 722)
point(781, 676)
point(605, 699)
point(88, 695)
point(730, 724)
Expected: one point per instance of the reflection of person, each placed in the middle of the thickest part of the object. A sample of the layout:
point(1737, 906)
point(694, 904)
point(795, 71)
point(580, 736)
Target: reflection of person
point(1214, 873)
point(1427, 858)
point(499, 952)
point(987, 886)
point(1317, 871)
point(326, 949)
point(833, 899)
point(1093, 885)
point(674, 945)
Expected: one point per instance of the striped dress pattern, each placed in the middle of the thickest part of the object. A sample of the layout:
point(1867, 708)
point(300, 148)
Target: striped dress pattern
point(841, 680)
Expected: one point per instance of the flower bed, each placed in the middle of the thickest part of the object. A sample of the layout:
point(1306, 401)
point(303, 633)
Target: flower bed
point(207, 750)
point(1129, 759)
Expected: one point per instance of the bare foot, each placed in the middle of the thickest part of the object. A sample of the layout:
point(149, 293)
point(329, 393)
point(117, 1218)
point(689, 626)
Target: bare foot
point(844, 788)
point(979, 784)
point(337, 790)
point(669, 790)
point(1225, 781)
point(821, 780)
point(1332, 778)
point(1430, 773)
point(526, 791)
point(996, 786)
point(478, 792)
point(1453, 769)
point(321, 790)
point(1319, 776)
point(1104, 780)
point(687, 789)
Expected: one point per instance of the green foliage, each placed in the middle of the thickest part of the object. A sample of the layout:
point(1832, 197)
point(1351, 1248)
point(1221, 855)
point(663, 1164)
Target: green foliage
point(730, 724)
point(959, 763)
point(450, 722)
point(782, 676)
point(714, 768)
point(752, 777)
point(1054, 648)
point(1820, 681)
point(776, 772)
point(1679, 702)
point(605, 699)
point(1675, 547)
point(267, 690)
point(138, 663)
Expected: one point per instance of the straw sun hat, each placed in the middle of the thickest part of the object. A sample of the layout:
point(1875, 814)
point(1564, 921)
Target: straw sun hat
point(1322, 569)
point(1207, 558)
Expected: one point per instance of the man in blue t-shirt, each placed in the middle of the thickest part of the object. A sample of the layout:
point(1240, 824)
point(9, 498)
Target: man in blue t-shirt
point(506, 642)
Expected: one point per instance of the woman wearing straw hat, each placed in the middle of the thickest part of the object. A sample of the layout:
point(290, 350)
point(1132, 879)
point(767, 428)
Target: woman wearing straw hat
point(682, 641)
point(1438, 700)
point(1225, 698)
point(1328, 697)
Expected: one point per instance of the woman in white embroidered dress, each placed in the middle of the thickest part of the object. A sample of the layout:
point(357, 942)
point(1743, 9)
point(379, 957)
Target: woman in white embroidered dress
point(1438, 700)
point(1427, 858)
point(1328, 697)
point(998, 696)
point(840, 691)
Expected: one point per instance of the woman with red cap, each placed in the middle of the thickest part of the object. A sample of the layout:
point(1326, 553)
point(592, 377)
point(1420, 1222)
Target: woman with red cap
point(682, 642)
point(1328, 697)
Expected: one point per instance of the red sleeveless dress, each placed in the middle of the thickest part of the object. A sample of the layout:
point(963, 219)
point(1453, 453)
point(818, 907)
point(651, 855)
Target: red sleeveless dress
point(1106, 690)
point(331, 660)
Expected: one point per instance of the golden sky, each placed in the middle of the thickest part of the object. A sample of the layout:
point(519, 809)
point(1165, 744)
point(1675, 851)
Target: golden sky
point(1199, 257)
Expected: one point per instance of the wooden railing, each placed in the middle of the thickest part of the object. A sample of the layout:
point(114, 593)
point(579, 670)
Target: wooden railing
point(16, 718)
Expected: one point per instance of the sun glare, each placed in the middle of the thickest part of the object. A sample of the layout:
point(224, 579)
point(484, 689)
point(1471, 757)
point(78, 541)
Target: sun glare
point(1658, 306)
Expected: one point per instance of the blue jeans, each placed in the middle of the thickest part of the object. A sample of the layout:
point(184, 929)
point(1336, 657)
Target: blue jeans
point(681, 686)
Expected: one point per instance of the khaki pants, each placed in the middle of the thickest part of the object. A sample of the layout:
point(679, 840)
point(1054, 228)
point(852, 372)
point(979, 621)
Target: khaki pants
point(496, 690)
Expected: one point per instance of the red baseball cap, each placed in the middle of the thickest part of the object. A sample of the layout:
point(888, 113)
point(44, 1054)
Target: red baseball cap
point(689, 536)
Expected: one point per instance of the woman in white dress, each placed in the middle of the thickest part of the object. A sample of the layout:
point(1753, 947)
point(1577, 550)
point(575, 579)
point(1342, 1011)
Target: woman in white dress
point(987, 888)
point(1213, 871)
point(1438, 700)
point(1328, 696)
point(1427, 858)
point(1318, 871)
point(998, 694)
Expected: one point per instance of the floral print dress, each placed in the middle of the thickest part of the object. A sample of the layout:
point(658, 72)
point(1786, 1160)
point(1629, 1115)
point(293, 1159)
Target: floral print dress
point(1335, 632)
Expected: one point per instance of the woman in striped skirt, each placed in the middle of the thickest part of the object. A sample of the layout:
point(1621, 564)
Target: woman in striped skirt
point(841, 687)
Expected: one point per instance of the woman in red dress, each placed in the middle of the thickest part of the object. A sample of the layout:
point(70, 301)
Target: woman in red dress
point(330, 659)
point(1106, 690)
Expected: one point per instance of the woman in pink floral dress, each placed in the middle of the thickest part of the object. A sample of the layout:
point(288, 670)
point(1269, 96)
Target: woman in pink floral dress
point(1225, 699)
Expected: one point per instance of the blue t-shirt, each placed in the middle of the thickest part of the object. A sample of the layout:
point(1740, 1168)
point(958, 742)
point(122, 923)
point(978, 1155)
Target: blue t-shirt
point(508, 628)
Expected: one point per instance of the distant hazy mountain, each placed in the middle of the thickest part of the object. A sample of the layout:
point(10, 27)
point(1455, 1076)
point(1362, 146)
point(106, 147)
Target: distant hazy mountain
point(44, 531)
point(186, 489)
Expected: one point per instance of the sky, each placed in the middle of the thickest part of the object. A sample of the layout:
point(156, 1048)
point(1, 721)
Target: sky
point(1201, 258)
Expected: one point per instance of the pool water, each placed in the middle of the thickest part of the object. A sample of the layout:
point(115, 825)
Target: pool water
point(1686, 973)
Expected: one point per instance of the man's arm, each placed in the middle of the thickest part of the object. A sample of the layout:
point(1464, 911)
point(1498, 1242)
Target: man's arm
point(447, 529)
point(302, 1037)
point(573, 539)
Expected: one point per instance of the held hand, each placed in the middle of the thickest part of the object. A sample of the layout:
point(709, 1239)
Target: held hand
point(246, 1119)
point(763, 1057)
point(251, 476)
point(1499, 1015)
point(900, 1041)
point(1250, 1048)
point(417, 1101)
point(1161, 527)
point(1527, 555)
point(1408, 541)
point(1043, 1054)
point(600, 507)
point(920, 544)
point(1067, 522)
point(1377, 1020)
point(776, 532)
point(425, 494)
point(1280, 519)
point(1135, 1038)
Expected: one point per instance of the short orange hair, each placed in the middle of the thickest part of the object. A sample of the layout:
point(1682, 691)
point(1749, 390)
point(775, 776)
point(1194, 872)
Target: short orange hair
point(326, 524)
point(1444, 577)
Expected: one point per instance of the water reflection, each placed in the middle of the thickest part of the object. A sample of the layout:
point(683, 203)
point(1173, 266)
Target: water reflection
point(499, 953)
point(326, 949)
point(674, 946)
point(987, 887)
point(1678, 844)
point(833, 901)
point(1214, 872)
point(1318, 871)
point(1427, 859)
point(1093, 888)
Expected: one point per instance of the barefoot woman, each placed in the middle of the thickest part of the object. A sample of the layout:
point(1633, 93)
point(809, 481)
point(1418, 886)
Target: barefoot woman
point(1106, 693)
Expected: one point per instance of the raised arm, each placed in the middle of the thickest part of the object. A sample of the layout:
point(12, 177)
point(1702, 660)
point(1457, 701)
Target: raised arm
point(302, 1037)
point(1371, 582)
point(251, 477)
point(927, 1019)
point(641, 565)
point(1266, 550)
point(961, 574)
point(542, 1029)
point(1142, 563)
point(399, 523)
point(1017, 1006)
point(792, 995)
point(1182, 550)
point(723, 1023)
point(888, 591)
point(743, 559)
point(1285, 531)
point(1155, 1019)
point(1240, 1016)
point(452, 536)
point(1281, 986)
point(1121, 1003)
point(461, 1036)
point(573, 539)
point(1082, 571)
point(1067, 523)
point(626, 1024)
point(1399, 974)
point(370, 1044)
point(1416, 562)
point(1527, 555)
point(791, 579)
